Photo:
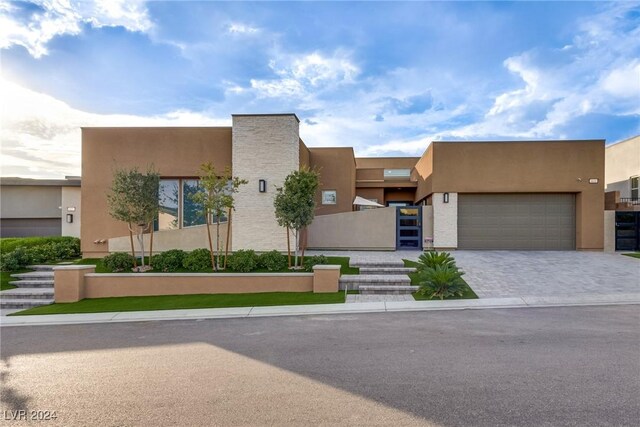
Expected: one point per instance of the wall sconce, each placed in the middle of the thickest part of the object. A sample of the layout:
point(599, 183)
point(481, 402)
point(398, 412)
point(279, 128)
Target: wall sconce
point(69, 218)
point(445, 197)
point(593, 180)
point(262, 185)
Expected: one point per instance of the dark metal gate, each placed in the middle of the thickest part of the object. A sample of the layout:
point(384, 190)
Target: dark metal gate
point(627, 231)
point(409, 227)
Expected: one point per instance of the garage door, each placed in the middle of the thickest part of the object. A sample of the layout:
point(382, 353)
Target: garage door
point(517, 221)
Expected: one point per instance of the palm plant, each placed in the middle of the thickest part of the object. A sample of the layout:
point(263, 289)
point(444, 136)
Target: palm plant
point(432, 259)
point(441, 281)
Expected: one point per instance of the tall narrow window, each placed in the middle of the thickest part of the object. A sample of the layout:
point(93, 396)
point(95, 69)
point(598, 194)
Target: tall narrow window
point(168, 198)
point(634, 187)
point(192, 213)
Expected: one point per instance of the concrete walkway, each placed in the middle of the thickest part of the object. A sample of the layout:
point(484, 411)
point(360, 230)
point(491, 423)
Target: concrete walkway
point(317, 309)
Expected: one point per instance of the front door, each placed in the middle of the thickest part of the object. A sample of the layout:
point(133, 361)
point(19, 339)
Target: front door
point(627, 231)
point(409, 227)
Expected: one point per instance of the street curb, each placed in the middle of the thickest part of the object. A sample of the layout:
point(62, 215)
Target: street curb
point(317, 309)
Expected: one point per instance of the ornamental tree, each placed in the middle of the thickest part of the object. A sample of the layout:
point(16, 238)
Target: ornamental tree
point(216, 200)
point(295, 203)
point(133, 198)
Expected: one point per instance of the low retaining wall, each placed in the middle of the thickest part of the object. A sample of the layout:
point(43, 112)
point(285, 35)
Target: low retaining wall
point(73, 283)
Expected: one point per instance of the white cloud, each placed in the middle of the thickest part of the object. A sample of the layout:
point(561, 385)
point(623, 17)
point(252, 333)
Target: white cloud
point(239, 28)
point(41, 135)
point(623, 82)
point(62, 17)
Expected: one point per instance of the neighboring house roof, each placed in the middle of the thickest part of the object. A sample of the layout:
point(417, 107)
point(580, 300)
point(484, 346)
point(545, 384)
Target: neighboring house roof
point(69, 181)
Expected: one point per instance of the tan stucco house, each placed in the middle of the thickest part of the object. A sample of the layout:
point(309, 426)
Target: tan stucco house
point(525, 195)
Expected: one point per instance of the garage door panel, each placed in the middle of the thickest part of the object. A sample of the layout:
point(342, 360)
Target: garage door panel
point(516, 221)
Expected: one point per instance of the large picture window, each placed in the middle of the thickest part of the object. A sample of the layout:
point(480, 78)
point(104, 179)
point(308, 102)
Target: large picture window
point(192, 213)
point(169, 197)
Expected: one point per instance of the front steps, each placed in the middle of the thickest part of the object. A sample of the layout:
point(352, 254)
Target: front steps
point(34, 288)
point(380, 278)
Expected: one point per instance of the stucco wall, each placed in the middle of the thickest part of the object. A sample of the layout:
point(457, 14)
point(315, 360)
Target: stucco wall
point(370, 229)
point(71, 204)
point(174, 152)
point(427, 224)
point(337, 172)
point(445, 221)
point(610, 231)
point(622, 161)
point(187, 239)
point(264, 147)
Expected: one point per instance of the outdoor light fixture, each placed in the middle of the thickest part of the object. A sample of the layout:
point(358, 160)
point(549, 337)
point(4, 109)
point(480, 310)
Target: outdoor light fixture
point(593, 180)
point(262, 185)
point(445, 197)
point(69, 218)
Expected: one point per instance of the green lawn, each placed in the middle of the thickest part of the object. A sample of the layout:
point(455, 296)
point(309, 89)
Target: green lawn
point(171, 302)
point(633, 255)
point(342, 261)
point(466, 294)
point(5, 278)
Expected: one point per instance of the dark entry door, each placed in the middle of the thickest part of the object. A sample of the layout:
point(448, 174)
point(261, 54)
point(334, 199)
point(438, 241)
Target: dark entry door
point(409, 227)
point(627, 231)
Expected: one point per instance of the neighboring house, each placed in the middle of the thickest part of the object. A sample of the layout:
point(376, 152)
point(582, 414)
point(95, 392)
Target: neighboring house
point(622, 198)
point(467, 195)
point(39, 207)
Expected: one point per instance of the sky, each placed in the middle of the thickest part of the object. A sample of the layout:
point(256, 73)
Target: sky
point(386, 78)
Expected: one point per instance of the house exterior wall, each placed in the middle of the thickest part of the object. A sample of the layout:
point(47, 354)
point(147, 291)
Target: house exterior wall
point(445, 221)
point(187, 239)
point(174, 152)
point(622, 162)
point(22, 201)
point(528, 167)
point(71, 205)
point(264, 147)
point(337, 172)
point(423, 174)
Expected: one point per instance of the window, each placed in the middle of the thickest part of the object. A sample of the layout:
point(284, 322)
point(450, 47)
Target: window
point(168, 195)
point(192, 213)
point(364, 208)
point(397, 173)
point(634, 187)
point(329, 197)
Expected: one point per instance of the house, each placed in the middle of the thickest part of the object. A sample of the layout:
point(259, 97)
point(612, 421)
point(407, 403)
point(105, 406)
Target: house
point(545, 195)
point(622, 202)
point(39, 207)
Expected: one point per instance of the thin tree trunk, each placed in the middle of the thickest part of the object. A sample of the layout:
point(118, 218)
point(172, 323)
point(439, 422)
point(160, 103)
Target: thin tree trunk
point(133, 249)
point(304, 245)
point(151, 246)
point(218, 243)
point(226, 246)
point(141, 241)
point(213, 264)
point(296, 250)
point(288, 247)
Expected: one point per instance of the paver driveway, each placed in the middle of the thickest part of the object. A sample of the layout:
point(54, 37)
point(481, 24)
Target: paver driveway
point(516, 273)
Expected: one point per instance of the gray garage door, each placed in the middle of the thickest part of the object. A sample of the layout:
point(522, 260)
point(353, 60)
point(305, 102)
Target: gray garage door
point(517, 221)
point(28, 227)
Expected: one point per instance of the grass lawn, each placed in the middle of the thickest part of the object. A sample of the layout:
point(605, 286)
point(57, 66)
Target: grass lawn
point(5, 278)
point(633, 255)
point(342, 261)
point(171, 302)
point(466, 294)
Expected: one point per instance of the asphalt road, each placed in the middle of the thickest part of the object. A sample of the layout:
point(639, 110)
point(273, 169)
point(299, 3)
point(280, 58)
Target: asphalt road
point(549, 366)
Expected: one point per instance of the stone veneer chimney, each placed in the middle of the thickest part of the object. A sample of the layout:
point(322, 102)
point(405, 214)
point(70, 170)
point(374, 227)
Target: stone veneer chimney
point(263, 147)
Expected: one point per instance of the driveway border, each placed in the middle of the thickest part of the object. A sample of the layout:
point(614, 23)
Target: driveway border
point(317, 309)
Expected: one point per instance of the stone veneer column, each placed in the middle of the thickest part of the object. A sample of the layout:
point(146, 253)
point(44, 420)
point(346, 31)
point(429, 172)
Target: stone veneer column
point(263, 147)
point(445, 221)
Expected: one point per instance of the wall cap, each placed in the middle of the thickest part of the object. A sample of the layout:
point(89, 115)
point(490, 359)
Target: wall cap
point(73, 267)
point(326, 267)
point(199, 275)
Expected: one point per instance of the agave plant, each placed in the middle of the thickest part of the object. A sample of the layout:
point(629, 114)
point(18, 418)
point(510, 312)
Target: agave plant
point(429, 260)
point(441, 281)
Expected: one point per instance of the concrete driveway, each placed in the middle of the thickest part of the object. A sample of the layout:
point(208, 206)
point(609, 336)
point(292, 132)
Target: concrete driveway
point(514, 274)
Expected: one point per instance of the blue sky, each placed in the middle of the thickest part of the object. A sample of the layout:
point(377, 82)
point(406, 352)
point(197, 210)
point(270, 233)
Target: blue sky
point(384, 77)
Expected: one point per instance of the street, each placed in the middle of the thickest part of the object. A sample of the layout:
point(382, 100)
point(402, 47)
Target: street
point(527, 366)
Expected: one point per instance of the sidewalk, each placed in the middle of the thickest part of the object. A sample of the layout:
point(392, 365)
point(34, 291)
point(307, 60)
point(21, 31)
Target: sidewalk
point(317, 309)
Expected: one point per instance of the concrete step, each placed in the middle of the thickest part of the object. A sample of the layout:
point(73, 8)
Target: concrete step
point(387, 264)
point(387, 290)
point(27, 293)
point(41, 267)
point(34, 275)
point(386, 270)
point(23, 303)
point(33, 283)
point(353, 282)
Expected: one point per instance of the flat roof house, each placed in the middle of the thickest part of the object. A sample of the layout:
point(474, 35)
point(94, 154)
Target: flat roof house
point(526, 195)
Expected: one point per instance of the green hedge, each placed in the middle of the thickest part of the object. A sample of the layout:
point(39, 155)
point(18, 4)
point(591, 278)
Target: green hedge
point(9, 244)
point(36, 250)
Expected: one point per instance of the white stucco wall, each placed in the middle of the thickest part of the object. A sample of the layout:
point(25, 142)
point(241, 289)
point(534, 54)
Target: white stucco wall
point(622, 161)
point(445, 221)
point(263, 147)
point(609, 231)
point(427, 226)
point(71, 205)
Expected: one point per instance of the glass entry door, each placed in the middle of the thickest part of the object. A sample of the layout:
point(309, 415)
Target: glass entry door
point(409, 227)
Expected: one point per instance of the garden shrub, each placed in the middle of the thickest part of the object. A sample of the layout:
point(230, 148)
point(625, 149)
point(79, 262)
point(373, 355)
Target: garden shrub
point(429, 260)
point(315, 260)
point(15, 260)
point(197, 260)
point(170, 260)
point(9, 244)
point(243, 261)
point(441, 281)
point(272, 261)
point(119, 261)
